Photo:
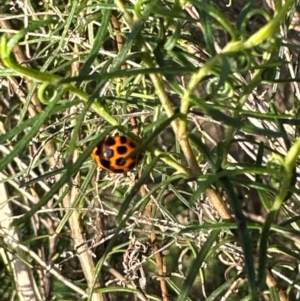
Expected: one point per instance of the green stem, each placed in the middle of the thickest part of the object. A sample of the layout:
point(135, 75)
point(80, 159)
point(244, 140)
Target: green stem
point(288, 170)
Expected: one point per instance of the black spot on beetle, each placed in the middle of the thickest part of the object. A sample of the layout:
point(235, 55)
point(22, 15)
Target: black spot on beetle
point(132, 144)
point(105, 163)
point(131, 165)
point(123, 139)
point(99, 150)
point(110, 141)
point(120, 162)
point(122, 150)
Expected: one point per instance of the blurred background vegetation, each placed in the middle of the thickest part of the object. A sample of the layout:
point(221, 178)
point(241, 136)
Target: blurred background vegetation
point(210, 91)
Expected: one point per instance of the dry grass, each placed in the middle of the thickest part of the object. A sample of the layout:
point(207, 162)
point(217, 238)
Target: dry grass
point(211, 93)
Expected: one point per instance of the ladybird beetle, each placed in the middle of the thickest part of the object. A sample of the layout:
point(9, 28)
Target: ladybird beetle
point(113, 154)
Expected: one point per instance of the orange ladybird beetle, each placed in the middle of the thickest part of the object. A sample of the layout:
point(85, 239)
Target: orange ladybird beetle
point(113, 154)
